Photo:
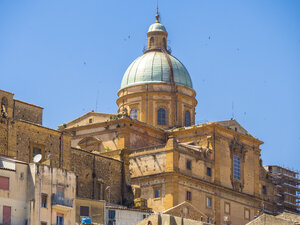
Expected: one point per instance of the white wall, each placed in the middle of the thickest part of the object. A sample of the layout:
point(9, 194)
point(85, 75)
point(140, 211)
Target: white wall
point(126, 217)
point(16, 196)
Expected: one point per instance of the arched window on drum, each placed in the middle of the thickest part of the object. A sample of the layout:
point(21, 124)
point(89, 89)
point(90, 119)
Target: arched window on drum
point(161, 116)
point(133, 114)
point(187, 118)
point(151, 42)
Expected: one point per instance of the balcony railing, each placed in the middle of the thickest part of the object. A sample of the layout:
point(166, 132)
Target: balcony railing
point(60, 200)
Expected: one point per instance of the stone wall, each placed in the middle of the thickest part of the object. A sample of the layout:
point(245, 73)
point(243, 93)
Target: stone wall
point(18, 138)
point(98, 177)
point(28, 112)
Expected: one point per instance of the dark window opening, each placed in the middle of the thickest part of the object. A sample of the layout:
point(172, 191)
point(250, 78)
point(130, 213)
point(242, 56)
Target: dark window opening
point(44, 200)
point(36, 151)
point(208, 171)
point(188, 164)
point(111, 216)
point(187, 118)
point(99, 191)
point(90, 120)
point(157, 193)
point(161, 116)
point(188, 196)
point(84, 211)
point(264, 189)
point(60, 219)
point(237, 167)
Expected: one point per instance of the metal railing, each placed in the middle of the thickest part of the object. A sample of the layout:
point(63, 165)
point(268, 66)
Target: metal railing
point(60, 200)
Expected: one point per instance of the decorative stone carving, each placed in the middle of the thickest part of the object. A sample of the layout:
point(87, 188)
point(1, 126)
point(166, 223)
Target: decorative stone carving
point(237, 149)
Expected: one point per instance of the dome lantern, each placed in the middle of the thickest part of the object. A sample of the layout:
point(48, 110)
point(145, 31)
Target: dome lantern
point(157, 35)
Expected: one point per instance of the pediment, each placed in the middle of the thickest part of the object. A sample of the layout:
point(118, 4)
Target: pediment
point(234, 125)
point(89, 141)
point(188, 211)
point(89, 118)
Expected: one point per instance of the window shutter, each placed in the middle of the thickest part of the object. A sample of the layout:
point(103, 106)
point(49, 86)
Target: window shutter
point(4, 183)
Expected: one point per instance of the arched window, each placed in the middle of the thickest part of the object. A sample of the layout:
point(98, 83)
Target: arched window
point(133, 113)
point(187, 118)
point(4, 101)
point(162, 116)
point(151, 41)
point(4, 104)
point(165, 43)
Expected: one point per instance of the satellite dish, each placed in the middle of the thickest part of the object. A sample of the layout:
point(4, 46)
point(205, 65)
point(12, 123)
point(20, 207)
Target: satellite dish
point(37, 158)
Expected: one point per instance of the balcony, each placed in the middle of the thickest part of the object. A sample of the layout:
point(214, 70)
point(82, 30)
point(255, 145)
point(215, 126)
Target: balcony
point(295, 187)
point(61, 203)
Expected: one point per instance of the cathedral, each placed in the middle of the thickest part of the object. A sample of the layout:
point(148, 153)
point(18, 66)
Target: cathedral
point(150, 154)
point(213, 170)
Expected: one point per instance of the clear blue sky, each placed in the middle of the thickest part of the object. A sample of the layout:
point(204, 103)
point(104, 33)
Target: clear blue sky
point(64, 55)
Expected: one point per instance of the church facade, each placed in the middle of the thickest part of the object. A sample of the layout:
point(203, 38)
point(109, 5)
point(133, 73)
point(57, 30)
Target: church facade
point(214, 169)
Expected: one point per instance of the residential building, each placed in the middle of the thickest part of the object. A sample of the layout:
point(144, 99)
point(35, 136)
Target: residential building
point(36, 194)
point(121, 215)
point(287, 188)
point(22, 137)
point(14, 201)
point(93, 209)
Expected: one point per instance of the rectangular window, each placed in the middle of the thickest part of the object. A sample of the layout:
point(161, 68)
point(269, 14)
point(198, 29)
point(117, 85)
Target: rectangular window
point(237, 167)
point(227, 208)
point(90, 120)
point(36, 151)
point(6, 215)
point(4, 183)
point(43, 223)
point(111, 214)
point(99, 191)
point(247, 214)
point(84, 211)
point(60, 191)
point(188, 164)
point(264, 189)
point(59, 219)
point(44, 200)
point(157, 193)
point(208, 171)
point(208, 202)
point(188, 196)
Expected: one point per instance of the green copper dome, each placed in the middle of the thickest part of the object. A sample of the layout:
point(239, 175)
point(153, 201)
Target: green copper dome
point(157, 27)
point(153, 67)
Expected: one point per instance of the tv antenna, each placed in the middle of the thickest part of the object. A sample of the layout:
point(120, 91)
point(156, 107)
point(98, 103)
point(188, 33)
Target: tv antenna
point(232, 108)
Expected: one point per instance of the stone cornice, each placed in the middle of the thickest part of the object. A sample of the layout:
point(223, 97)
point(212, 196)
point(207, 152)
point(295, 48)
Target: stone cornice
point(204, 182)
